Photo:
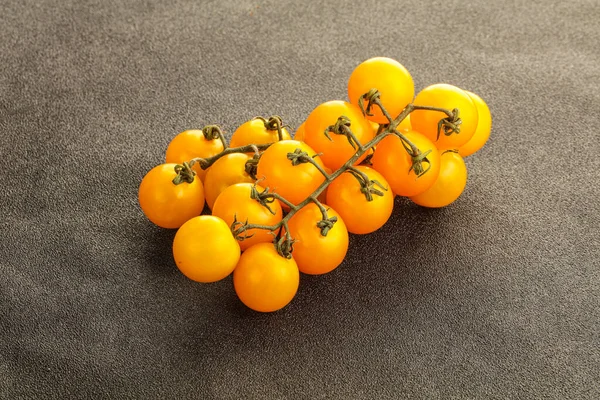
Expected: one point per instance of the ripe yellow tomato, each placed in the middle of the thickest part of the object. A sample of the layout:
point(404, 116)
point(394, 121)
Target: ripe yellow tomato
point(314, 253)
point(361, 216)
point(255, 132)
point(191, 144)
point(449, 184)
point(294, 182)
point(166, 204)
point(393, 162)
point(338, 150)
point(448, 97)
point(265, 281)
point(235, 202)
point(484, 127)
point(226, 171)
point(393, 81)
point(205, 250)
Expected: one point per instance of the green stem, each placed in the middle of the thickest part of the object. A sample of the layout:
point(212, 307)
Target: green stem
point(317, 166)
point(211, 132)
point(207, 162)
point(274, 123)
point(408, 145)
point(449, 113)
point(282, 199)
point(321, 207)
point(184, 172)
point(357, 171)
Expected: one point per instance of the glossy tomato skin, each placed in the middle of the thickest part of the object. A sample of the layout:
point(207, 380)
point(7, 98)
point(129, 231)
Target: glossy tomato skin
point(205, 250)
point(448, 97)
point(360, 216)
point(235, 202)
point(166, 204)
point(404, 125)
point(226, 171)
point(265, 281)
point(394, 82)
point(484, 127)
point(190, 144)
point(299, 135)
point(449, 184)
point(255, 132)
point(314, 253)
point(335, 152)
point(293, 182)
point(393, 162)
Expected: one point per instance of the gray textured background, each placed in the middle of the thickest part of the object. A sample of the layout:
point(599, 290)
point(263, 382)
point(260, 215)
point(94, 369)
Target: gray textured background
point(496, 296)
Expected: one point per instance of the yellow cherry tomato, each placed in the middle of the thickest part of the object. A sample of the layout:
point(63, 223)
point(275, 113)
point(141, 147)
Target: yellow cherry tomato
point(255, 131)
point(226, 171)
point(449, 184)
point(393, 81)
point(294, 182)
point(393, 161)
point(265, 281)
point(314, 253)
point(337, 150)
point(166, 204)
point(448, 97)
point(205, 250)
point(191, 144)
point(235, 202)
point(360, 215)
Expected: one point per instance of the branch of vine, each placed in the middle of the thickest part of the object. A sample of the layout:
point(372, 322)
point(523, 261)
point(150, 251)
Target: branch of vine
point(283, 240)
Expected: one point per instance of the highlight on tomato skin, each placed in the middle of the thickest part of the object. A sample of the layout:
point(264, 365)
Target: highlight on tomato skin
point(264, 280)
point(448, 186)
point(166, 204)
point(205, 250)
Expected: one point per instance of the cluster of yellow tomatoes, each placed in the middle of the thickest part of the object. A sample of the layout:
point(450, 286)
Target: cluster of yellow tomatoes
point(313, 190)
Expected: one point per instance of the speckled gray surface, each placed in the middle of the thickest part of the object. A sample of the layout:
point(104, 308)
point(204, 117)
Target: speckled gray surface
point(496, 296)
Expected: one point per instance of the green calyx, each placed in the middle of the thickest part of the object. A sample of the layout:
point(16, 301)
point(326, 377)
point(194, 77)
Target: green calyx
point(264, 198)
point(449, 125)
point(370, 97)
point(185, 173)
point(299, 157)
point(251, 166)
point(274, 123)
point(368, 187)
point(342, 127)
